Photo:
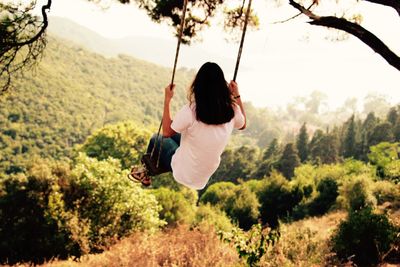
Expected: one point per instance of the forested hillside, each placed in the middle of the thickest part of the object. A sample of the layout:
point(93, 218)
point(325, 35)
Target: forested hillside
point(73, 92)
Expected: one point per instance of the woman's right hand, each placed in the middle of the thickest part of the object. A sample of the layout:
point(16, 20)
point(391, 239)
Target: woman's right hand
point(234, 88)
point(169, 91)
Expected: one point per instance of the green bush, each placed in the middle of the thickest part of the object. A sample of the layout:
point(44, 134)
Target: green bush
point(239, 203)
point(278, 198)
point(364, 236)
point(357, 193)
point(327, 193)
point(385, 191)
point(211, 215)
point(218, 193)
point(175, 207)
point(100, 192)
point(53, 211)
point(125, 141)
point(29, 231)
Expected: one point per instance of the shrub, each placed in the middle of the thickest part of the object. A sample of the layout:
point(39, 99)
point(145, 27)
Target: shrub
point(277, 198)
point(101, 193)
point(125, 141)
point(29, 231)
point(253, 244)
point(357, 194)
point(364, 235)
point(385, 191)
point(52, 211)
point(212, 216)
point(243, 207)
point(175, 207)
point(218, 193)
point(239, 203)
point(327, 194)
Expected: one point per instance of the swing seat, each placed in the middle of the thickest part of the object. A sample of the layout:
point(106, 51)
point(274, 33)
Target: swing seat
point(151, 165)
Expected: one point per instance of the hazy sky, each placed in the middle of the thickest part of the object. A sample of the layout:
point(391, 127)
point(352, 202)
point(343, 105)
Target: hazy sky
point(280, 61)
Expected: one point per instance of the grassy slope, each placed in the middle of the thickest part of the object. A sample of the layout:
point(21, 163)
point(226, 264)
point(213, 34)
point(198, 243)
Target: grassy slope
point(303, 243)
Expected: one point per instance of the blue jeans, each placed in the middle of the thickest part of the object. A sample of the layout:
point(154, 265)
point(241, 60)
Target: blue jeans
point(169, 146)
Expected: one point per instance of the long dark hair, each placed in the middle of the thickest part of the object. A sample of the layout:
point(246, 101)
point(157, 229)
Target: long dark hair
point(212, 95)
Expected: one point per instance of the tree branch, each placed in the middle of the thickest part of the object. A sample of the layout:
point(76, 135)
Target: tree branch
point(45, 24)
point(392, 3)
point(354, 29)
point(22, 47)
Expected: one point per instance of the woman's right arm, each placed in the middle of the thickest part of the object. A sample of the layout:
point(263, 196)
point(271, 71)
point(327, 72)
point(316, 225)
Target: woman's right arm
point(235, 93)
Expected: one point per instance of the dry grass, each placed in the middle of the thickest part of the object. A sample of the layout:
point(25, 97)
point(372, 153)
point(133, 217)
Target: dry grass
point(302, 243)
point(305, 243)
point(174, 247)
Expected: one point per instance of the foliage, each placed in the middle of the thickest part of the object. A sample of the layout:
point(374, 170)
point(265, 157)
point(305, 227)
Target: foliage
point(277, 198)
point(350, 142)
point(237, 163)
point(251, 245)
point(55, 211)
point(385, 191)
point(239, 203)
point(327, 193)
point(212, 216)
point(364, 236)
point(288, 161)
point(357, 193)
point(124, 141)
point(386, 158)
point(22, 40)
point(176, 209)
point(302, 143)
point(30, 228)
point(381, 133)
point(74, 92)
point(116, 207)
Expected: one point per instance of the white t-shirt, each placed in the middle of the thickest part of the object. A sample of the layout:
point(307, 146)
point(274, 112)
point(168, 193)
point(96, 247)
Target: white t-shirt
point(198, 155)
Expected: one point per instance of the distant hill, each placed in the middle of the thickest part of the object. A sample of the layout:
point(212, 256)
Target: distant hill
point(73, 92)
point(146, 48)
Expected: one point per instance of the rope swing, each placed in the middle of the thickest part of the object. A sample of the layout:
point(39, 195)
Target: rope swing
point(246, 20)
point(178, 46)
point(154, 166)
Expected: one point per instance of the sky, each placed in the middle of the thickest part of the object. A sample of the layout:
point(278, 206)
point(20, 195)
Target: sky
point(279, 61)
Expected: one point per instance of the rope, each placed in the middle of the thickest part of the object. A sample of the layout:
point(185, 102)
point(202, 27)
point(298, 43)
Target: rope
point(182, 26)
point(242, 40)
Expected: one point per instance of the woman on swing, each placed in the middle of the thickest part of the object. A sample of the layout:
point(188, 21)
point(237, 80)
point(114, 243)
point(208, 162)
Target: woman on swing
point(195, 139)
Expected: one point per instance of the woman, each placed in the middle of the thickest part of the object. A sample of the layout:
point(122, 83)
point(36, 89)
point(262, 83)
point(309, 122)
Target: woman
point(195, 139)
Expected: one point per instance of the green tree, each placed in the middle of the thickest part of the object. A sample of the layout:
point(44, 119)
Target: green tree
point(289, 161)
point(124, 141)
point(272, 150)
point(350, 142)
point(365, 236)
point(176, 208)
point(386, 157)
point(381, 133)
point(392, 115)
point(302, 143)
point(237, 163)
point(277, 198)
point(368, 125)
point(396, 130)
point(238, 201)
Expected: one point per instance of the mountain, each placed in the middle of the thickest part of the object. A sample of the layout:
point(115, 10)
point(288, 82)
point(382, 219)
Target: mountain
point(156, 50)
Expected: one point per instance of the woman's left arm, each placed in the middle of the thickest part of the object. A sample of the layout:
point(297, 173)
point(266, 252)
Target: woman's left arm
point(166, 119)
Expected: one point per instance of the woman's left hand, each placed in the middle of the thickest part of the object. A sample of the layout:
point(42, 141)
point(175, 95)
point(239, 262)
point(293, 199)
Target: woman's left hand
point(169, 92)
